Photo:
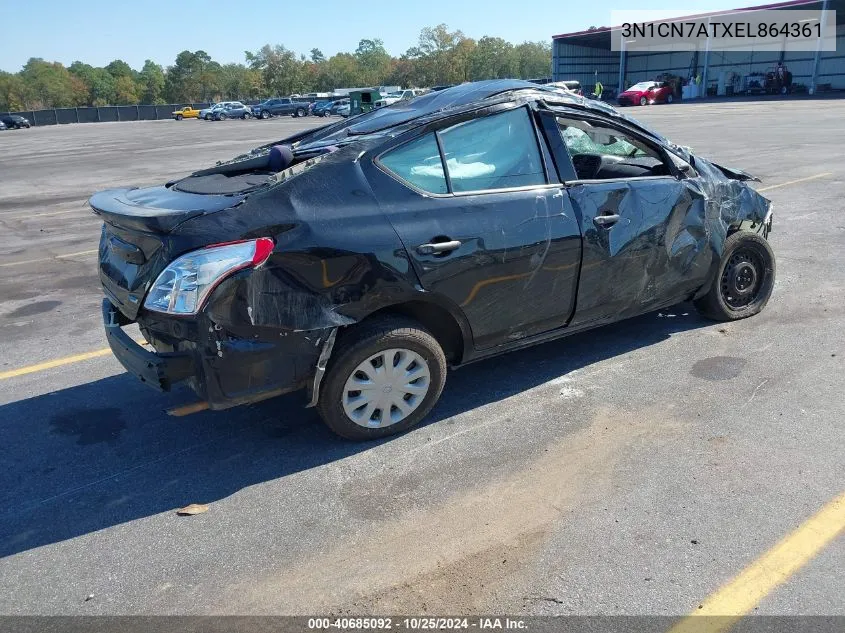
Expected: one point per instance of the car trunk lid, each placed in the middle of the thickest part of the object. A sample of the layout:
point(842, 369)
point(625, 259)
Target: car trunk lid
point(135, 245)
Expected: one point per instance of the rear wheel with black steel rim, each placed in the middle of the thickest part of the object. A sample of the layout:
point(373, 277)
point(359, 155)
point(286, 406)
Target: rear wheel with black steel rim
point(744, 281)
point(383, 378)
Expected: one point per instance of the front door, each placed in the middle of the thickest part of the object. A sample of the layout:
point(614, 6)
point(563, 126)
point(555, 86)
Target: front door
point(645, 238)
point(491, 233)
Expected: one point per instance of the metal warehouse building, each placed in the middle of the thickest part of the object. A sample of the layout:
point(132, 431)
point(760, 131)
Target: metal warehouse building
point(586, 56)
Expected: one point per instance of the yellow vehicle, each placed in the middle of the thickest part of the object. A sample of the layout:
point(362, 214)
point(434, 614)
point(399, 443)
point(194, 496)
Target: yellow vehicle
point(186, 113)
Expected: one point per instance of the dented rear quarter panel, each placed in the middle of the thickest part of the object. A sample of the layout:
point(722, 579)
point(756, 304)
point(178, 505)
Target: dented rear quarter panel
point(336, 260)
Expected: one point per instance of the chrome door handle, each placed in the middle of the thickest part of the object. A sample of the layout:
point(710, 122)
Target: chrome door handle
point(606, 220)
point(438, 247)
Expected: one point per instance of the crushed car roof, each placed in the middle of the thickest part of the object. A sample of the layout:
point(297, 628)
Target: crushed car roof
point(404, 115)
point(432, 102)
point(425, 107)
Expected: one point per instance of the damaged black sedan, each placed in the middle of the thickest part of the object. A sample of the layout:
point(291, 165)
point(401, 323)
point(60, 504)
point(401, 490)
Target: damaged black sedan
point(359, 260)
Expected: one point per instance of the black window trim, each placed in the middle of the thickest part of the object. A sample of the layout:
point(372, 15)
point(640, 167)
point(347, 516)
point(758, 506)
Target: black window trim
point(443, 125)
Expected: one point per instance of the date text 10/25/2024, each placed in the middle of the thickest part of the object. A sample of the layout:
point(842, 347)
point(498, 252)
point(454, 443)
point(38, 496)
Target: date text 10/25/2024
point(415, 623)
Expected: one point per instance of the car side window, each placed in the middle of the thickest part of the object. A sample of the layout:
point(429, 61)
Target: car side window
point(494, 152)
point(601, 152)
point(418, 163)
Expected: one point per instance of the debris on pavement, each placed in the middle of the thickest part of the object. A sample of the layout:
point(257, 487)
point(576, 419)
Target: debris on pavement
point(194, 508)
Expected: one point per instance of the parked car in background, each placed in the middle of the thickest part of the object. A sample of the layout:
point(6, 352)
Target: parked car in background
point(231, 110)
point(322, 108)
point(647, 92)
point(338, 105)
point(186, 112)
point(342, 108)
point(205, 113)
point(15, 121)
point(279, 106)
point(359, 260)
point(401, 95)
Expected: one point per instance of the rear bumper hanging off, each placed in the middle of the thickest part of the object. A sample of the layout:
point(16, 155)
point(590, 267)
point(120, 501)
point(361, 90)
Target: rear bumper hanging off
point(160, 371)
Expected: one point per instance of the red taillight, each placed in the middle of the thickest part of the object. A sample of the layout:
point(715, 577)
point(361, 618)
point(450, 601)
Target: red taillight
point(263, 248)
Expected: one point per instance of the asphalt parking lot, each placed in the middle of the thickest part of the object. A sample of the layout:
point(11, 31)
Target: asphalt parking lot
point(635, 469)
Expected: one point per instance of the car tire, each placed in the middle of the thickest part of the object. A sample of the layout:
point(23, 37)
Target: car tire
point(300, 112)
point(178, 117)
point(643, 101)
point(359, 355)
point(670, 99)
point(265, 114)
point(222, 117)
point(744, 280)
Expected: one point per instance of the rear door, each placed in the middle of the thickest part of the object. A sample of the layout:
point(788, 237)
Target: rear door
point(493, 234)
point(642, 216)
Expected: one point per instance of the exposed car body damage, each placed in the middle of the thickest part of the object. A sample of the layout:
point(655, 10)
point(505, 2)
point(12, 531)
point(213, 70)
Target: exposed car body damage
point(486, 271)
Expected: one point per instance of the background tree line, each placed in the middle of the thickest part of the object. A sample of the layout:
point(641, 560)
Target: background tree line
point(439, 57)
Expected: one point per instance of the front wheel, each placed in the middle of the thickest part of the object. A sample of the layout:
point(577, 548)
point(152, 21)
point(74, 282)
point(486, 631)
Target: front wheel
point(744, 281)
point(178, 117)
point(643, 101)
point(300, 112)
point(383, 378)
point(265, 114)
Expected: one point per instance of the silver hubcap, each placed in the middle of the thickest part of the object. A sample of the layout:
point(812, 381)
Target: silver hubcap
point(386, 388)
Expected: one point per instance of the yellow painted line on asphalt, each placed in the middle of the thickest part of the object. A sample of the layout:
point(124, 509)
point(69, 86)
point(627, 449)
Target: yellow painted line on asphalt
point(742, 594)
point(50, 364)
point(795, 182)
point(187, 409)
point(59, 362)
point(47, 259)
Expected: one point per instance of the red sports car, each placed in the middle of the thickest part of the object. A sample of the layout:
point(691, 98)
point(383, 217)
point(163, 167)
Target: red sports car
point(647, 92)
